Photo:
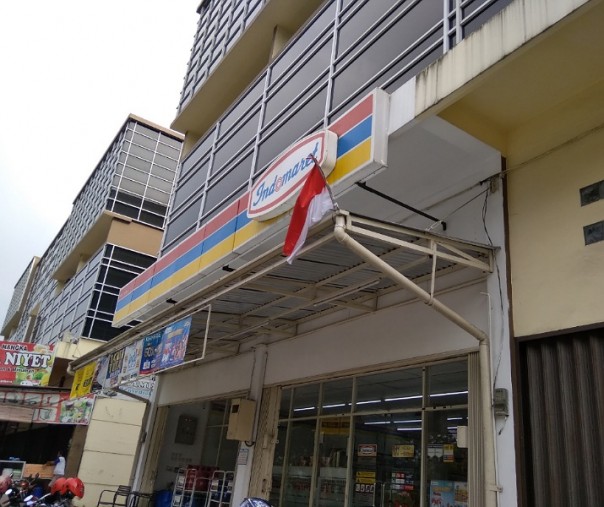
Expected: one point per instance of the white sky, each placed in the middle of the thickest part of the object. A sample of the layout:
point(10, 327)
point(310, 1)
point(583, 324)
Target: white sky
point(70, 73)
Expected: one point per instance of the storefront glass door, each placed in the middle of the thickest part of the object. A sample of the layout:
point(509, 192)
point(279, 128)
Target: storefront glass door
point(382, 440)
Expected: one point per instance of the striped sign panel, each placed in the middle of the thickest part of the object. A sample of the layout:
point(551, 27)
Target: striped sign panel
point(361, 150)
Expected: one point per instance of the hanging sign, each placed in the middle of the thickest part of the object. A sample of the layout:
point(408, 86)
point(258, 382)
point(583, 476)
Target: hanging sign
point(278, 187)
point(174, 343)
point(151, 354)
point(82, 381)
point(132, 361)
point(25, 364)
point(44, 406)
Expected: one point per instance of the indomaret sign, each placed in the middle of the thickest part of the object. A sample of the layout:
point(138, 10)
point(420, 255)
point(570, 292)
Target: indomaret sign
point(276, 190)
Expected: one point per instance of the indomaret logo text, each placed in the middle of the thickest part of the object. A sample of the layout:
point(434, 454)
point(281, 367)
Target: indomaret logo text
point(277, 188)
point(265, 191)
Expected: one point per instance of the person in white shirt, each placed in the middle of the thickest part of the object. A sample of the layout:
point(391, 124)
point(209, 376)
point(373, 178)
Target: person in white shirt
point(59, 470)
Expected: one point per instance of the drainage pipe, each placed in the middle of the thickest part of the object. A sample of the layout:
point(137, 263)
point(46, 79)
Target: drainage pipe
point(491, 487)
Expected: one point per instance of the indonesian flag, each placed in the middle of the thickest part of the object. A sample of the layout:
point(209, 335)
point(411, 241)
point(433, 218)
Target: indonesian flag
point(312, 203)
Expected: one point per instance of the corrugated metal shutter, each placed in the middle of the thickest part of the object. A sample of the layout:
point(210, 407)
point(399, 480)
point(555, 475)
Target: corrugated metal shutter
point(563, 405)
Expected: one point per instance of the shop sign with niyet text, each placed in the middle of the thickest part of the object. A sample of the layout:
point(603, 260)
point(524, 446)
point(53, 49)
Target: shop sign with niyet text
point(25, 364)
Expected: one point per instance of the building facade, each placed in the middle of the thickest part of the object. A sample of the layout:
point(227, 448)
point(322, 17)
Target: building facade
point(437, 340)
point(67, 297)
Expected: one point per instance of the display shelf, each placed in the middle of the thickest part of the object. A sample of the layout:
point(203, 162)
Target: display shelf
point(14, 467)
point(191, 486)
point(220, 489)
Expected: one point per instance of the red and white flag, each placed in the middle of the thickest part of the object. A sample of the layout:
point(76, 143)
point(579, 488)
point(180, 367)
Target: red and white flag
point(312, 203)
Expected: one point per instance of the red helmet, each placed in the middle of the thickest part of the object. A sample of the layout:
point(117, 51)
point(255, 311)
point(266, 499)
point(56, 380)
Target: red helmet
point(75, 486)
point(59, 486)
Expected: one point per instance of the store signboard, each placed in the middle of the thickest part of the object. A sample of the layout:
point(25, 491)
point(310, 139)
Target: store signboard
point(25, 364)
point(278, 187)
point(46, 407)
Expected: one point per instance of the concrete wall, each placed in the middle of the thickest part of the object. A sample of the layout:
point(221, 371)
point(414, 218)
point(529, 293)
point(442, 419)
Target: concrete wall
point(556, 279)
point(110, 446)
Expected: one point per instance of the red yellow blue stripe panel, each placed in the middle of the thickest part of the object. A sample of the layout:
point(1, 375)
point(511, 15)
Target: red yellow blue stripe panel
point(232, 230)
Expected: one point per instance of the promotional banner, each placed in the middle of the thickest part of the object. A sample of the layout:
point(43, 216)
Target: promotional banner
point(114, 368)
point(82, 381)
point(125, 367)
point(174, 343)
point(152, 346)
point(25, 364)
point(50, 407)
point(132, 361)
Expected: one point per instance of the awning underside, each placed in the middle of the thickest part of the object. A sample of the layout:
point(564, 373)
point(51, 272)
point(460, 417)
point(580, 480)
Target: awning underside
point(271, 297)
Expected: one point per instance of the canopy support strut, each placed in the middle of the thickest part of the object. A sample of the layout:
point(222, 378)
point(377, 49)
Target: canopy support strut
point(368, 256)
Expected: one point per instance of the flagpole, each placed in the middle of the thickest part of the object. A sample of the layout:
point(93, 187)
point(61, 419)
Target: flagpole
point(333, 201)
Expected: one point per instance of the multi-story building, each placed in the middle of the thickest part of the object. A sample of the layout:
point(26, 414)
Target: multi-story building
point(67, 297)
point(439, 339)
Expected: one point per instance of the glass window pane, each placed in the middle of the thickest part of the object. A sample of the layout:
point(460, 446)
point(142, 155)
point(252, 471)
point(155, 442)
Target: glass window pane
point(298, 476)
point(447, 469)
point(389, 391)
point(448, 384)
point(286, 396)
point(337, 397)
point(332, 461)
point(386, 462)
point(306, 399)
point(279, 459)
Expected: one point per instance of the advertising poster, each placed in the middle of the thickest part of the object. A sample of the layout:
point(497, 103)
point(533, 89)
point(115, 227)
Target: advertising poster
point(142, 387)
point(114, 368)
point(99, 380)
point(442, 494)
point(461, 494)
point(174, 343)
point(367, 450)
point(82, 381)
point(25, 364)
point(152, 346)
point(49, 407)
point(403, 451)
point(448, 453)
point(76, 411)
point(132, 361)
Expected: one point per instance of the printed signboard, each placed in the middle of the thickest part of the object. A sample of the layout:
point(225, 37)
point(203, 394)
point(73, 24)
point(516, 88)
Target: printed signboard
point(25, 364)
point(278, 187)
point(49, 407)
point(82, 381)
point(174, 343)
point(132, 361)
point(151, 356)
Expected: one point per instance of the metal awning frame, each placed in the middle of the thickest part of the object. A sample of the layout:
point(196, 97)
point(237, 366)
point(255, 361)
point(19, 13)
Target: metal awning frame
point(424, 245)
point(260, 273)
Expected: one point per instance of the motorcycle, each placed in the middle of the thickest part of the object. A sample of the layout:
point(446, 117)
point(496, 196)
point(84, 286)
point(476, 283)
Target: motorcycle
point(14, 493)
point(255, 502)
point(62, 493)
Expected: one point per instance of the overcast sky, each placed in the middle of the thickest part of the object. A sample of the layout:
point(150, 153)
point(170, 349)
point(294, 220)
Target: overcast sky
point(70, 73)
